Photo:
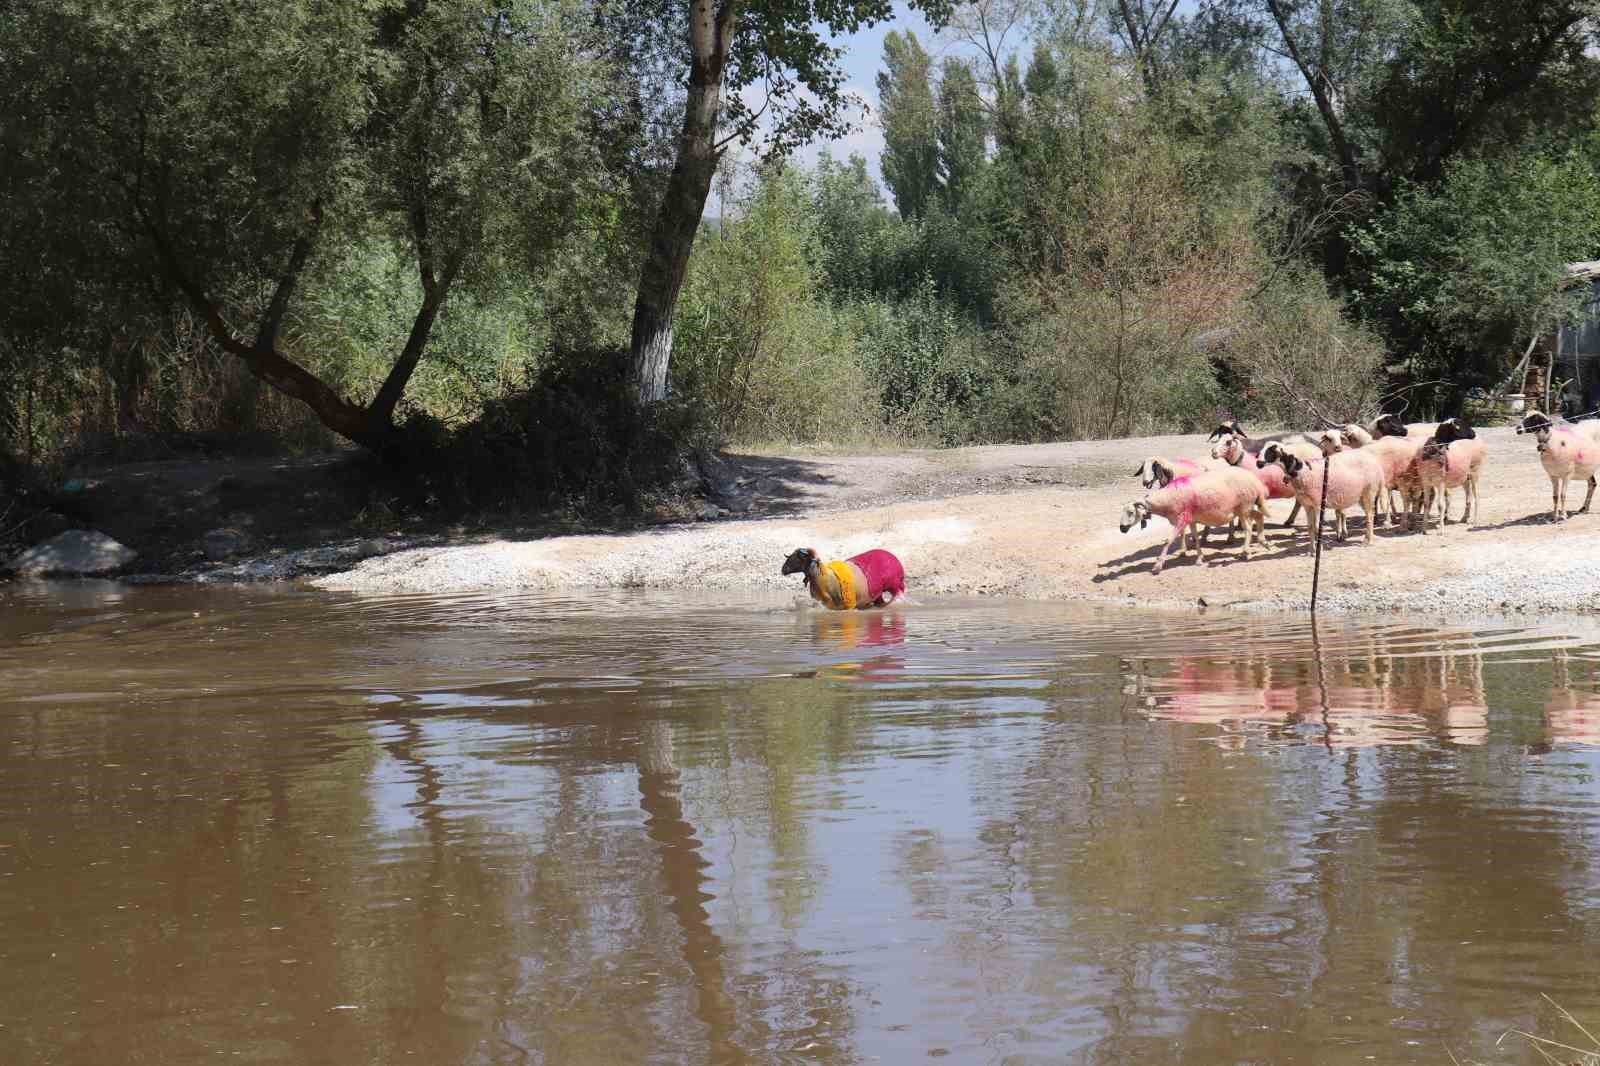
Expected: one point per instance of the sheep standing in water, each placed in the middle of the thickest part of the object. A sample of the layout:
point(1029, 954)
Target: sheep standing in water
point(872, 579)
point(1213, 498)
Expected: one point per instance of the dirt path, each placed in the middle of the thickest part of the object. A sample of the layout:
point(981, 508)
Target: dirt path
point(1041, 521)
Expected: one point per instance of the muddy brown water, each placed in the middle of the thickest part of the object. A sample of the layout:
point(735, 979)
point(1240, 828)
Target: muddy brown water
point(285, 827)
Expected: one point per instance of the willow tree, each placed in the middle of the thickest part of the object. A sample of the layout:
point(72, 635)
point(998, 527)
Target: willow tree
point(732, 46)
point(215, 153)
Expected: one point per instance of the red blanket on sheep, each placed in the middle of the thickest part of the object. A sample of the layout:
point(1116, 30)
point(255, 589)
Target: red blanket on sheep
point(883, 573)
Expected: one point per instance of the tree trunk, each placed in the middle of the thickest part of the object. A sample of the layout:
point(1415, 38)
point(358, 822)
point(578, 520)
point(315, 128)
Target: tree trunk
point(381, 411)
point(371, 426)
point(1550, 370)
point(710, 36)
point(1316, 79)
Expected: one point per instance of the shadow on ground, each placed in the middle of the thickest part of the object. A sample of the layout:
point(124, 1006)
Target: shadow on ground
point(757, 485)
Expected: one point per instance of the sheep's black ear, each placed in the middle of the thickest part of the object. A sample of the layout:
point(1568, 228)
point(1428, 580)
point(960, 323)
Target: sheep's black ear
point(1139, 472)
point(1144, 520)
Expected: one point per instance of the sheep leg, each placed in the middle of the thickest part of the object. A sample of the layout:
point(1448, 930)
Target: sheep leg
point(1288, 523)
point(1555, 499)
point(1177, 533)
point(1472, 498)
point(1369, 504)
point(1243, 516)
point(1586, 500)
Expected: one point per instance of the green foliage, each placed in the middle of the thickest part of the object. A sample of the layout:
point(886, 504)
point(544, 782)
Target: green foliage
point(1133, 233)
point(927, 363)
point(868, 252)
point(770, 357)
point(910, 158)
point(963, 135)
point(1461, 277)
point(1301, 357)
point(1484, 77)
point(754, 345)
point(232, 156)
point(348, 324)
point(575, 436)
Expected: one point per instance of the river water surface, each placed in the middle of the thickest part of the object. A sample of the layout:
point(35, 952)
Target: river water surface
point(288, 827)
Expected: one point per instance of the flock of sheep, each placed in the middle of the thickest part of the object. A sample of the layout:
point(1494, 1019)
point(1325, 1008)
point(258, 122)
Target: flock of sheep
point(1386, 467)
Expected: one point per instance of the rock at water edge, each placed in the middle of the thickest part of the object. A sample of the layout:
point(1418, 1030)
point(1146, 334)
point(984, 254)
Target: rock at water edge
point(220, 544)
point(77, 551)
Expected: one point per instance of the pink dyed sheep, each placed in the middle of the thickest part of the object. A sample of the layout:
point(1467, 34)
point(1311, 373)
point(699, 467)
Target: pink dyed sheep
point(1535, 421)
point(1397, 454)
point(1236, 450)
point(1452, 458)
point(1157, 470)
point(1353, 477)
point(1213, 498)
point(1567, 456)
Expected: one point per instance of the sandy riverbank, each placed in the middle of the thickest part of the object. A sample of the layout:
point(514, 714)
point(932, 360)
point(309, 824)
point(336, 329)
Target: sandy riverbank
point(1041, 521)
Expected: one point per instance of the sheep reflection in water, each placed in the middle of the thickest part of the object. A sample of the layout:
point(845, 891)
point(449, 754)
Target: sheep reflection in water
point(1347, 701)
point(1572, 714)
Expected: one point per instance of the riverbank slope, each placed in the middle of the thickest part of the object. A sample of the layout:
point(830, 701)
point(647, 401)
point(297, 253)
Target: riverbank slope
point(1041, 521)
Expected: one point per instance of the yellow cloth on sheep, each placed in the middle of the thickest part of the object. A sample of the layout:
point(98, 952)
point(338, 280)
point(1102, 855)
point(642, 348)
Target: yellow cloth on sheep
point(845, 575)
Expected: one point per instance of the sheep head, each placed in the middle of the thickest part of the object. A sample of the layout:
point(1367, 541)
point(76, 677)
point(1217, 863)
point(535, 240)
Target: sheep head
point(1389, 426)
point(1452, 429)
point(1292, 464)
point(1230, 451)
point(1355, 436)
point(1533, 422)
point(1331, 441)
point(1135, 514)
point(1227, 429)
point(800, 561)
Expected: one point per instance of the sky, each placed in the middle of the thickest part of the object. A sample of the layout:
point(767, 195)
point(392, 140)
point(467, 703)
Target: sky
point(862, 59)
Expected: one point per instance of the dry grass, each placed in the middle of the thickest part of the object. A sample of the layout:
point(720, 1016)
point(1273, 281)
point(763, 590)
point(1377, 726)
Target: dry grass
point(1553, 1052)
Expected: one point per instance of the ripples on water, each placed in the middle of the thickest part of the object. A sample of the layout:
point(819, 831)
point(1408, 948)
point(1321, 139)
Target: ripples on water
point(282, 827)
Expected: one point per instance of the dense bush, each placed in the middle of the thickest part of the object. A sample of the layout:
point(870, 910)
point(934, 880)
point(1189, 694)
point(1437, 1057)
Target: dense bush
point(574, 436)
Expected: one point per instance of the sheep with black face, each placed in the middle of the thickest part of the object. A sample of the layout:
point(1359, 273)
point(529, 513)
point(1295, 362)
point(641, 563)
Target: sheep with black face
point(1352, 478)
point(872, 579)
point(1452, 458)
